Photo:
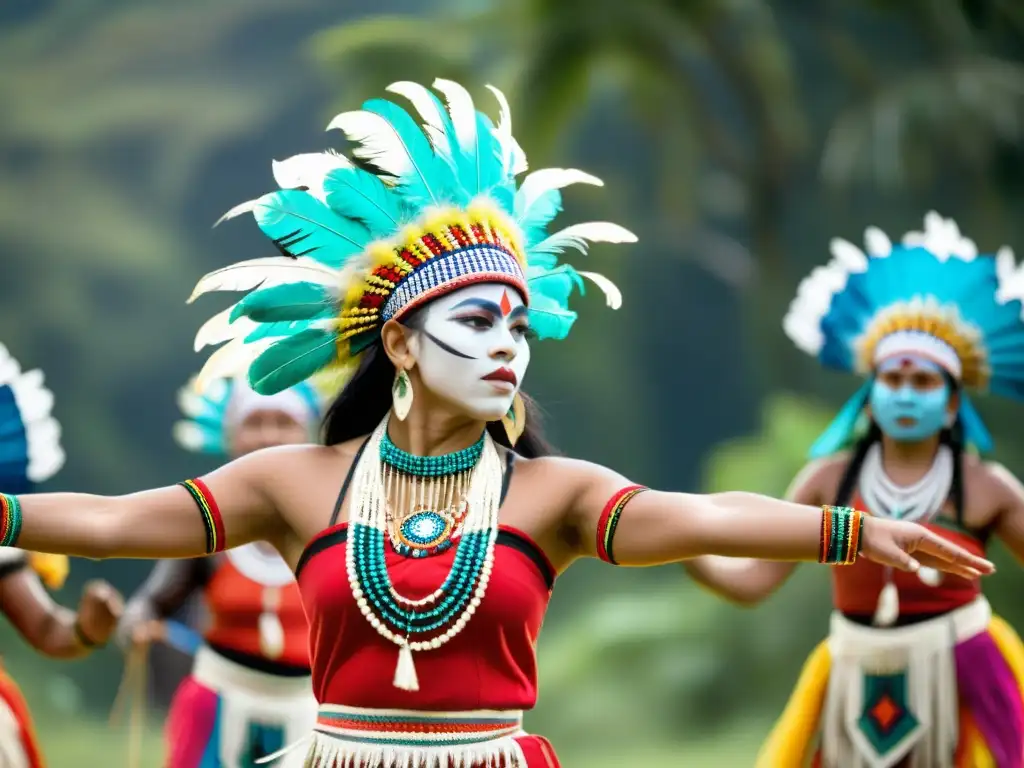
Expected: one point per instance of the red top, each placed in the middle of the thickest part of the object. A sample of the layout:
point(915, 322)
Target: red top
point(235, 603)
point(490, 664)
point(855, 588)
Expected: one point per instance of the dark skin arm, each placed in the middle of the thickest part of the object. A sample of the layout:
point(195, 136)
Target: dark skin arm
point(1010, 523)
point(49, 627)
point(168, 587)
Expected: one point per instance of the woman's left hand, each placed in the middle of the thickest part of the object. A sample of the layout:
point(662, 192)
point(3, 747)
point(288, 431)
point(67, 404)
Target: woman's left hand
point(908, 546)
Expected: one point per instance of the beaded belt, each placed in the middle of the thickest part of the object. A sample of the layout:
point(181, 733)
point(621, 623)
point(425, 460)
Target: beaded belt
point(352, 736)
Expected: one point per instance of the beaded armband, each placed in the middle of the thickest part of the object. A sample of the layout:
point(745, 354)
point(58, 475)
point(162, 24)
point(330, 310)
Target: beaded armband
point(609, 521)
point(10, 520)
point(212, 521)
point(840, 535)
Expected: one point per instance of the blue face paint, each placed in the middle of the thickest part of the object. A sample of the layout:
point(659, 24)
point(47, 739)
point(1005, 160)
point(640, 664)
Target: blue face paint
point(927, 409)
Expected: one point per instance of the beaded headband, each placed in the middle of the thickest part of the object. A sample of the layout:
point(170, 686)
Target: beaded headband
point(442, 209)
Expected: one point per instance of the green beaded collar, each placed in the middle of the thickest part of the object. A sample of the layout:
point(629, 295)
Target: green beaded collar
point(430, 466)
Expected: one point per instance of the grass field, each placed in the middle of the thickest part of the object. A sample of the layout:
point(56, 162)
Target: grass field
point(78, 744)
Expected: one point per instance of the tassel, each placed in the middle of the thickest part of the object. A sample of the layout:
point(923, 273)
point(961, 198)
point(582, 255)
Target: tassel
point(271, 635)
point(888, 609)
point(405, 671)
point(929, 576)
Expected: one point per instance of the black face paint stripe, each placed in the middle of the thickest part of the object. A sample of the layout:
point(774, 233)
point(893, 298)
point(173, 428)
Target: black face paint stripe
point(446, 348)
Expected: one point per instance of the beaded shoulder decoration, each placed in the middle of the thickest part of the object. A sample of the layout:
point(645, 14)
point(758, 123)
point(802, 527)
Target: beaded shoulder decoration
point(932, 295)
point(443, 208)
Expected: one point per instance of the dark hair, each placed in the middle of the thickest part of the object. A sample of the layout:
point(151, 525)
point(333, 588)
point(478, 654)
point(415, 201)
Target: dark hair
point(360, 406)
point(952, 436)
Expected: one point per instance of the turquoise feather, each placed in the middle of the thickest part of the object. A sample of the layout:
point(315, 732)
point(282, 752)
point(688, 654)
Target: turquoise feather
point(282, 303)
point(278, 330)
point(549, 315)
point(292, 360)
point(301, 225)
point(543, 211)
point(356, 194)
point(432, 181)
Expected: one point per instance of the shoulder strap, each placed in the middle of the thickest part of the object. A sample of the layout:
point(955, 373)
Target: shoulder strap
point(345, 485)
point(509, 462)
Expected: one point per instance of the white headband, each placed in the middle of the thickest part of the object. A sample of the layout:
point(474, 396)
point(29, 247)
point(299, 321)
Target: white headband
point(245, 401)
point(919, 343)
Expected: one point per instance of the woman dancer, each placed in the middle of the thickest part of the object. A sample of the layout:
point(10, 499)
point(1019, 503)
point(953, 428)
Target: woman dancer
point(30, 453)
point(249, 693)
point(425, 547)
point(916, 670)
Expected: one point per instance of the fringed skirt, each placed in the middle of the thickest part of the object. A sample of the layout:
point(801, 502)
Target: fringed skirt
point(944, 693)
point(18, 745)
point(349, 737)
point(225, 715)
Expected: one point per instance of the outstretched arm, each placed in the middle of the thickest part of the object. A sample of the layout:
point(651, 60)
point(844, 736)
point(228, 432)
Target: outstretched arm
point(652, 527)
point(228, 507)
point(746, 581)
point(1010, 524)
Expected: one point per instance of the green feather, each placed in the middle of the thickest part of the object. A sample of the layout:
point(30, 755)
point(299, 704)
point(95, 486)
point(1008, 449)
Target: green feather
point(292, 360)
point(282, 303)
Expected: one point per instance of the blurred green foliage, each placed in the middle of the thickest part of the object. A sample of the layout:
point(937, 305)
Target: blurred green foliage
point(129, 127)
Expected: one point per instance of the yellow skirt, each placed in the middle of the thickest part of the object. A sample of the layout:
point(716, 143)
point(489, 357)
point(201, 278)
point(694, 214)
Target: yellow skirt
point(793, 742)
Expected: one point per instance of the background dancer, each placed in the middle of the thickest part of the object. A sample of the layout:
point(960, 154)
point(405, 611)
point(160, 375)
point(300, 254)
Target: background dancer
point(249, 691)
point(426, 552)
point(916, 671)
point(30, 453)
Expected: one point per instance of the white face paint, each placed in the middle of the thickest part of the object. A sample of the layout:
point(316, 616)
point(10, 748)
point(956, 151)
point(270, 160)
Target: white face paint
point(473, 350)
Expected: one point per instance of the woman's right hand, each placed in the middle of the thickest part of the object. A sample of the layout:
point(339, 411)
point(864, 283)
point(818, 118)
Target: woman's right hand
point(145, 633)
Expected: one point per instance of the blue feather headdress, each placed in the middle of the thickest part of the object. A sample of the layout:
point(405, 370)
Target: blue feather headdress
point(934, 296)
point(30, 450)
point(212, 410)
point(443, 209)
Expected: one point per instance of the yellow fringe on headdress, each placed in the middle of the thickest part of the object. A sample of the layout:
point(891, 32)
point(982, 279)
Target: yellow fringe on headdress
point(941, 322)
point(52, 569)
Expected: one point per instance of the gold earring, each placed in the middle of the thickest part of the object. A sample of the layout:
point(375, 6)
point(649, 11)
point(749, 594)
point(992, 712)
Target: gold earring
point(514, 421)
point(401, 395)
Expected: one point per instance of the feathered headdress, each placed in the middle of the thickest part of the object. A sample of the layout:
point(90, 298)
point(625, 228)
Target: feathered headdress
point(30, 450)
point(210, 411)
point(933, 295)
point(443, 209)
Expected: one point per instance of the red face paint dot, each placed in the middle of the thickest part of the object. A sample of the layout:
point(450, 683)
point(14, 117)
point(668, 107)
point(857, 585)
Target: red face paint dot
point(506, 305)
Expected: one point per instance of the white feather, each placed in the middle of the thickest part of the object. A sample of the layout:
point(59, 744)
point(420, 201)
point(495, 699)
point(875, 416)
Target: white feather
point(35, 408)
point(545, 180)
point(430, 112)
point(308, 170)
point(514, 157)
point(247, 207)
point(612, 294)
point(376, 141)
point(233, 359)
point(190, 436)
point(578, 235)
point(462, 112)
point(219, 329)
point(942, 238)
point(265, 272)
point(877, 242)
point(1010, 277)
point(848, 254)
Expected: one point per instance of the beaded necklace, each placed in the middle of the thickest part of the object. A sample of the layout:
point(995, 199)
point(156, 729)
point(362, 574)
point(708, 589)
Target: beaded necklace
point(430, 622)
